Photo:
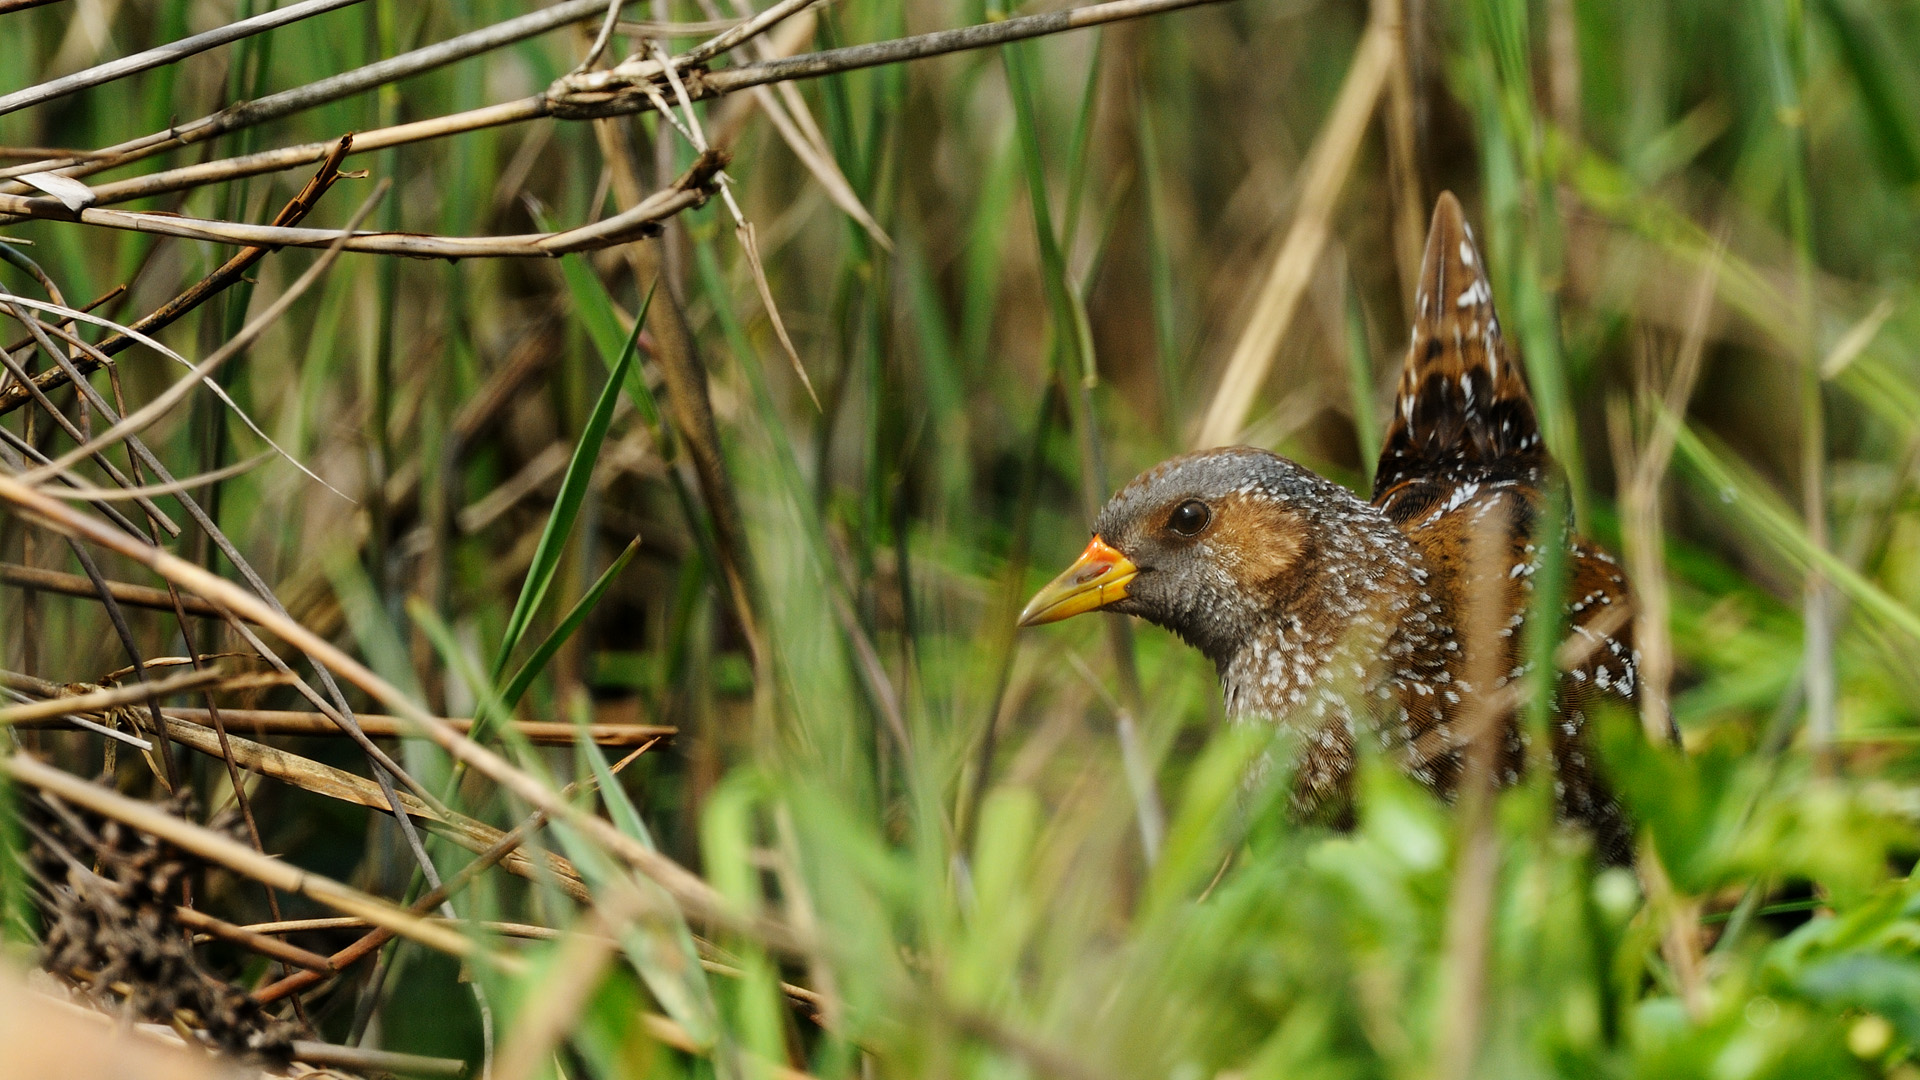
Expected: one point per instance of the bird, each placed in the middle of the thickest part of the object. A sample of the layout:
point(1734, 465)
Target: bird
point(1342, 618)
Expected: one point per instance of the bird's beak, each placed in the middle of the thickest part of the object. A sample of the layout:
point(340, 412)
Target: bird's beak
point(1099, 577)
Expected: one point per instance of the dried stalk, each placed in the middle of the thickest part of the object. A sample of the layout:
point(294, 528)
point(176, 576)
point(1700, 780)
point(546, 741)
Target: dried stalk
point(537, 732)
point(169, 53)
point(140, 596)
point(310, 775)
point(195, 919)
point(102, 700)
point(598, 96)
point(171, 311)
point(1323, 175)
point(245, 114)
point(690, 191)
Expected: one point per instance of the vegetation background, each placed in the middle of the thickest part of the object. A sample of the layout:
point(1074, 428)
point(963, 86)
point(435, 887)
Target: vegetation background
point(965, 851)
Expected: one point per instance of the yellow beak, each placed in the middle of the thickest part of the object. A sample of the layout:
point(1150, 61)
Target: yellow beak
point(1097, 578)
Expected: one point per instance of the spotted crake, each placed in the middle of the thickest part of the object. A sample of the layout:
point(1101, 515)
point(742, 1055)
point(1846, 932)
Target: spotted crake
point(1340, 617)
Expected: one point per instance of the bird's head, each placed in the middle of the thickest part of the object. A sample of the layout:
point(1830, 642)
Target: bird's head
point(1209, 545)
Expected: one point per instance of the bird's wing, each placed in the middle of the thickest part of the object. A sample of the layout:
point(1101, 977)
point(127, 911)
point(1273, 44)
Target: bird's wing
point(1462, 413)
point(1599, 615)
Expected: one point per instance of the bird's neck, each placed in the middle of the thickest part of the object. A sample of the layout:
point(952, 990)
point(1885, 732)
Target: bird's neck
point(1358, 613)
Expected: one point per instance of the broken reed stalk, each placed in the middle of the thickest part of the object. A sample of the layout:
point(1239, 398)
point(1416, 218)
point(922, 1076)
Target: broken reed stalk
point(325, 780)
point(1322, 176)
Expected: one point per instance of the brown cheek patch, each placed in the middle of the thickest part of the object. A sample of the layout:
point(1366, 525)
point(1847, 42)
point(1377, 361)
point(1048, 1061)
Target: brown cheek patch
point(1258, 540)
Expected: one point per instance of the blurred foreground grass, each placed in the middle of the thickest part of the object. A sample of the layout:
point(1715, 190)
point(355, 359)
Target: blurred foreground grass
point(1009, 850)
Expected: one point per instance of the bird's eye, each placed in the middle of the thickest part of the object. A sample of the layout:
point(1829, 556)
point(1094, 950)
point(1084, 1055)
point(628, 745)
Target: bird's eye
point(1189, 517)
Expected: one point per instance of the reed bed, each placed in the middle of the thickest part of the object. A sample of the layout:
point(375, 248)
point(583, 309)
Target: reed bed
point(520, 512)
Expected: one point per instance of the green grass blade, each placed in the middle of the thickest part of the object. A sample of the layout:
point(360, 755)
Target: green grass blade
point(1778, 525)
point(544, 652)
point(573, 490)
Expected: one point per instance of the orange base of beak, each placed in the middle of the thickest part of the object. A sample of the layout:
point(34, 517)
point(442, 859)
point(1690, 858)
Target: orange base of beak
point(1099, 577)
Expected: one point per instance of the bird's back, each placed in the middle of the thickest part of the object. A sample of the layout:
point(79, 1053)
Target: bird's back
point(1463, 458)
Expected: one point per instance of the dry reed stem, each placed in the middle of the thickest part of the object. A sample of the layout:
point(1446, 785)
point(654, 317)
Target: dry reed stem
point(383, 1062)
point(309, 775)
point(237, 857)
point(1403, 156)
point(100, 700)
point(170, 53)
point(141, 596)
point(694, 895)
point(245, 114)
point(691, 190)
point(1322, 176)
point(537, 732)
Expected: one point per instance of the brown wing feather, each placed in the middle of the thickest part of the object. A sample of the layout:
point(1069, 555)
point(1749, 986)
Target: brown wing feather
point(1462, 412)
point(1600, 614)
point(1463, 450)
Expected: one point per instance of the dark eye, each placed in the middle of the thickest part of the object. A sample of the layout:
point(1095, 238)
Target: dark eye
point(1189, 517)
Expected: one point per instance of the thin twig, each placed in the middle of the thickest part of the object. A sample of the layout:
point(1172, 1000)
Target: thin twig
point(195, 919)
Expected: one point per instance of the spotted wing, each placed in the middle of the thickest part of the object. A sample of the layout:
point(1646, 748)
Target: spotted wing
point(1462, 412)
point(1606, 675)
